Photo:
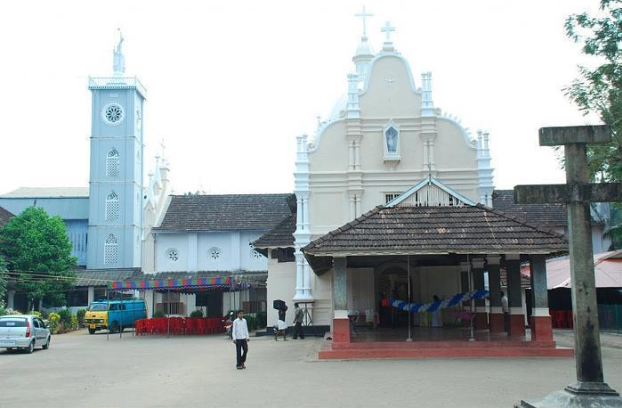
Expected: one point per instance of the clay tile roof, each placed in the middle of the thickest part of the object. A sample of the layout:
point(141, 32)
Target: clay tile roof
point(544, 215)
point(5, 216)
point(225, 212)
point(428, 230)
point(281, 236)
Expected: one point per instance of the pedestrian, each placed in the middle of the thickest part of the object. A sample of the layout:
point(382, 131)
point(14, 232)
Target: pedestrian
point(298, 316)
point(281, 325)
point(506, 312)
point(240, 339)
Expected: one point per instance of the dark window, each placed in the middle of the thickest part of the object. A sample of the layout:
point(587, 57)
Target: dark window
point(283, 254)
point(12, 322)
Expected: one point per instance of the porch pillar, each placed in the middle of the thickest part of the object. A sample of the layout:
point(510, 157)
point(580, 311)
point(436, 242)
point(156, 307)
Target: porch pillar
point(341, 323)
point(515, 299)
point(11, 299)
point(90, 297)
point(541, 325)
point(465, 285)
point(494, 287)
point(481, 314)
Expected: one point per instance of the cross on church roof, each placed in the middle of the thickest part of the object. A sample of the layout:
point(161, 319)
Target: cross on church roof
point(388, 29)
point(363, 15)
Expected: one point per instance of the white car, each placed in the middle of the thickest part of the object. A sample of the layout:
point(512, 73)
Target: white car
point(23, 332)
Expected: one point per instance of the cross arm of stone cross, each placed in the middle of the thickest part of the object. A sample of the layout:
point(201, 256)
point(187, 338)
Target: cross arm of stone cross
point(578, 188)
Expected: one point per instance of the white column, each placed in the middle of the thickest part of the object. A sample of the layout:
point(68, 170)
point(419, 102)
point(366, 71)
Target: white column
point(90, 295)
point(299, 274)
point(357, 155)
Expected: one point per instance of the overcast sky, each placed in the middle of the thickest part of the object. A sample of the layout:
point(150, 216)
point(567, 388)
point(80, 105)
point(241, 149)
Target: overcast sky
point(231, 83)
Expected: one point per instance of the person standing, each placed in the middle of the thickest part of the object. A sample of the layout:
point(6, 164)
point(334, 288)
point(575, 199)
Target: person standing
point(298, 316)
point(506, 311)
point(240, 339)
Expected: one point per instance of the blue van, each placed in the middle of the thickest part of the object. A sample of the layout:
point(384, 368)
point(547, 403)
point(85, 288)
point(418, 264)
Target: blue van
point(114, 315)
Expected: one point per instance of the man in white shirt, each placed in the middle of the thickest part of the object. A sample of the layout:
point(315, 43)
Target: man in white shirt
point(240, 339)
point(506, 311)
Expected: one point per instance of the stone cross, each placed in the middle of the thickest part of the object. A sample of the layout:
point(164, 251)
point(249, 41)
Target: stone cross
point(577, 194)
point(388, 29)
point(364, 16)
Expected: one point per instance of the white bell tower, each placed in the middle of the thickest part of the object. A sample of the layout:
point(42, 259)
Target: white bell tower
point(116, 177)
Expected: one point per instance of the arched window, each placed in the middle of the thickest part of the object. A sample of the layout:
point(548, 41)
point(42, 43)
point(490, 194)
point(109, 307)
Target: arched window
point(113, 163)
point(112, 207)
point(111, 250)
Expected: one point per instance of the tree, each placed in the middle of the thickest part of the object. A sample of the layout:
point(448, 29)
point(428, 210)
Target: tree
point(38, 252)
point(599, 91)
point(3, 284)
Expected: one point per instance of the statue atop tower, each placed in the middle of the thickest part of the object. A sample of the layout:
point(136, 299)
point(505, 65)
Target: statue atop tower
point(118, 65)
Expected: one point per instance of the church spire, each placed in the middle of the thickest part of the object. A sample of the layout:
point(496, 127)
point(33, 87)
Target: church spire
point(118, 64)
point(364, 52)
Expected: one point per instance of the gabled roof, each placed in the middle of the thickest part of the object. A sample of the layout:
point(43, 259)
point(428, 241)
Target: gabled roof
point(47, 192)
point(281, 236)
point(225, 212)
point(544, 215)
point(423, 183)
point(436, 230)
point(5, 216)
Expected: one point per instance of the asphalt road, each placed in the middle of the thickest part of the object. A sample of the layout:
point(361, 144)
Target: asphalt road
point(82, 370)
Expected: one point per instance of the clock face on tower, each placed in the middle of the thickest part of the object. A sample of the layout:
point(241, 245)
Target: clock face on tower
point(113, 114)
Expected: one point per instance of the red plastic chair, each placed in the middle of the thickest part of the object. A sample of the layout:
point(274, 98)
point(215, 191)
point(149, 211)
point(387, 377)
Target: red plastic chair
point(139, 327)
point(189, 325)
point(199, 326)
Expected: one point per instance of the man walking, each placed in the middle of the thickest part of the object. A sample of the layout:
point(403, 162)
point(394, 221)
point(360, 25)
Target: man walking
point(298, 322)
point(506, 312)
point(240, 338)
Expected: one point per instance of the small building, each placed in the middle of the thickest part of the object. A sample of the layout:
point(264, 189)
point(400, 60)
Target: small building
point(211, 236)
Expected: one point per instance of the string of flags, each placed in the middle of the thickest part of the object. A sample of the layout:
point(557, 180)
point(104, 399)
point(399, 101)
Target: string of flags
point(434, 306)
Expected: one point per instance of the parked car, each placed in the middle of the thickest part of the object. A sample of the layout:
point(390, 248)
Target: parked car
point(114, 315)
point(23, 332)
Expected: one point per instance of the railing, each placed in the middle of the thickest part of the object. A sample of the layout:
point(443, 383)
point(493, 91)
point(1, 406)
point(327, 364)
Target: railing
point(116, 82)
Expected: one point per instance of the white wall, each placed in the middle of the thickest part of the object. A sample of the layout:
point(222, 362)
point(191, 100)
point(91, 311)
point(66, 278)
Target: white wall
point(193, 251)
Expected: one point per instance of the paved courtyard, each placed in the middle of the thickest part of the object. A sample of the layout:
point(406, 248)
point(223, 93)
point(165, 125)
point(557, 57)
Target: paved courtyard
point(82, 370)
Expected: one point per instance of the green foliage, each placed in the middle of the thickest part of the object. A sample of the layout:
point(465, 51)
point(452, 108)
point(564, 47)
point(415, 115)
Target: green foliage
point(598, 91)
point(262, 319)
point(40, 254)
point(65, 318)
point(80, 315)
point(54, 322)
point(158, 313)
point(196, 313)
point(4, 278)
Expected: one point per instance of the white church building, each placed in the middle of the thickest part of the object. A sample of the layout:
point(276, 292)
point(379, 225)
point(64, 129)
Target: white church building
point(385, 152)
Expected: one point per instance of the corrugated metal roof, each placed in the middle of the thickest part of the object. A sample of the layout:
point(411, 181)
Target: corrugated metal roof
point(41, 192)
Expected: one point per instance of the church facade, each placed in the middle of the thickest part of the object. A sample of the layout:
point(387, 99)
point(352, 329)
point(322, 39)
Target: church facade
point(385, 137)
